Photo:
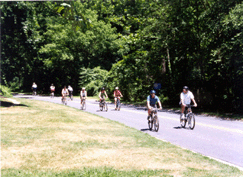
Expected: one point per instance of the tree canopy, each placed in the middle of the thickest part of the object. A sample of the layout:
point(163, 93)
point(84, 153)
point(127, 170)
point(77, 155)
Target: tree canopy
point(127, 43)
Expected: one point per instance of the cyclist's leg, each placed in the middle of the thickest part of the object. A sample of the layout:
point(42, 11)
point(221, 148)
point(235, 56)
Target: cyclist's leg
point(182, 111)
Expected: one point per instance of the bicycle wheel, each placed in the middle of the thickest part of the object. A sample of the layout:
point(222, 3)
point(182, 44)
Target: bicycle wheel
point(119, 106)
point(106, 107)
point(150, 123)
point(84, 105)
point(191, 121)
point(182, 122)
point(101, 107)
point(156, 123)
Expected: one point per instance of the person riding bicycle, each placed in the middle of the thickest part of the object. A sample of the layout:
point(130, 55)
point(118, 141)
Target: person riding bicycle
point(70, 90)
point(117, 95)
point(102, 94)
point(52, 88)
point(34, 87)
point(83, 95)
point(152, 99)
point(185, 98)
point(64, 92)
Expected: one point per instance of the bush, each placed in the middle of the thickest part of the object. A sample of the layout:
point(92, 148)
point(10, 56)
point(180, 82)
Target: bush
point(5, 91)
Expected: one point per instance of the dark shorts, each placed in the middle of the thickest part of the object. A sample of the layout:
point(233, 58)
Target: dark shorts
point(34, 89)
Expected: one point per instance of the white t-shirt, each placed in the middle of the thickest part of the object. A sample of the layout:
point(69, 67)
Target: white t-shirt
point(83, 94)
point(186, 98)
point(52, 87)
point(34, 86)
point(70, 89)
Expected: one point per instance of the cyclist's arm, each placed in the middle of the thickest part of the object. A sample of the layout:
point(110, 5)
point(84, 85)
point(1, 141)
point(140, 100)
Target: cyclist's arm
point(148, 104)
point(67, 92)
point(106, 95)
point(194, 102)
point(121, 94)
point(100, 95)
point(160, 105)
point(85, 94)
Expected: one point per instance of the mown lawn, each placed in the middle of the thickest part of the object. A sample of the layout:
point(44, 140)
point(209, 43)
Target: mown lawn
point(46, 139)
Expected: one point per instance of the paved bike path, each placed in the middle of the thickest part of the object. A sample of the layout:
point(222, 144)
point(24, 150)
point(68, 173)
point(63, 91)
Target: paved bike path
point(220, 139)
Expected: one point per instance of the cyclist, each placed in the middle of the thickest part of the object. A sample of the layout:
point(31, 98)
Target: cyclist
point(185, 98)
point(70, 90)
point(83, 95)
point(34, 87)
point(64, 92)
point(152, 99)
point(52, 88)
point(102, 94)
point(117, 95)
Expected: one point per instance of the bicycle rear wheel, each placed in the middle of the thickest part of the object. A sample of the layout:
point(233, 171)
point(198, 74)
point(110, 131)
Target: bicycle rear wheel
point(156, 123)
point(182, 122)
point(150, 123)
point(191, 121)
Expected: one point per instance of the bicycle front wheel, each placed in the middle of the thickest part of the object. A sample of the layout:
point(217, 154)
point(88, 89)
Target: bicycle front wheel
point(156, 123)
point(106, 107)
point(191, 121)
point(84, 106)
point(150, 124)
point(182, 122)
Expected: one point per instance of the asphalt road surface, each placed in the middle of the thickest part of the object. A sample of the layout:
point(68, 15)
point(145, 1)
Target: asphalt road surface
point(213, 137)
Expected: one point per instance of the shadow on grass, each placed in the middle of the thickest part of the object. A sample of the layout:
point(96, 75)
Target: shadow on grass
point(9, 104)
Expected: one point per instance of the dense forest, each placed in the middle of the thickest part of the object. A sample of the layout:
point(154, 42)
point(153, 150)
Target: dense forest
point(127, 43)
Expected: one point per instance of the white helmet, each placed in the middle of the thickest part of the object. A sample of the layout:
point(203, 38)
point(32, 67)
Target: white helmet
point(83, 88)
point(117, 88)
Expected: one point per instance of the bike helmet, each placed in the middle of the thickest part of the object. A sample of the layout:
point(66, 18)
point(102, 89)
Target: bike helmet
point(152, 91)
point(116, 88)
point(186, 88)
point(83, 88)
point(103, 88)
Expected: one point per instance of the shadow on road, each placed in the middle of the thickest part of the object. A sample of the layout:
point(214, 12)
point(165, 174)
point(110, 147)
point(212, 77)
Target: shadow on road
point(178, 127)
point(144, 130)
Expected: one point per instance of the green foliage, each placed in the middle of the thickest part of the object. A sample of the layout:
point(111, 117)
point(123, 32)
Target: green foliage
point(174, 43)
point(93, 80)
point(5, 91)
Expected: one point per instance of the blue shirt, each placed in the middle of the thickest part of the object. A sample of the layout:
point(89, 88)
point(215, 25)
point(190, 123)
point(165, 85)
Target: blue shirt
point(152, 100)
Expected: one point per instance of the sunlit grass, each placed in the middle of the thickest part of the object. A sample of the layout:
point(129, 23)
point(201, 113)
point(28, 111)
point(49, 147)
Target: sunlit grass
point(46, 139)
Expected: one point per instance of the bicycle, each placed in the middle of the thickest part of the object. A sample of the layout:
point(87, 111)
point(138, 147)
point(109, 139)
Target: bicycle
point(34, 92)
point(153, 120)
point(189, 117)
point(118, 104)
point(64, 100)
point(52, 94)
point(71, 95)
point(83, 105)
point(103, 105)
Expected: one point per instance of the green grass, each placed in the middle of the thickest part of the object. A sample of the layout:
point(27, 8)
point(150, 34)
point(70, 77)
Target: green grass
point(46, 139)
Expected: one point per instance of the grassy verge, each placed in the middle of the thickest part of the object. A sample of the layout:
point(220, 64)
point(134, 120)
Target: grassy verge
point(46, 139)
